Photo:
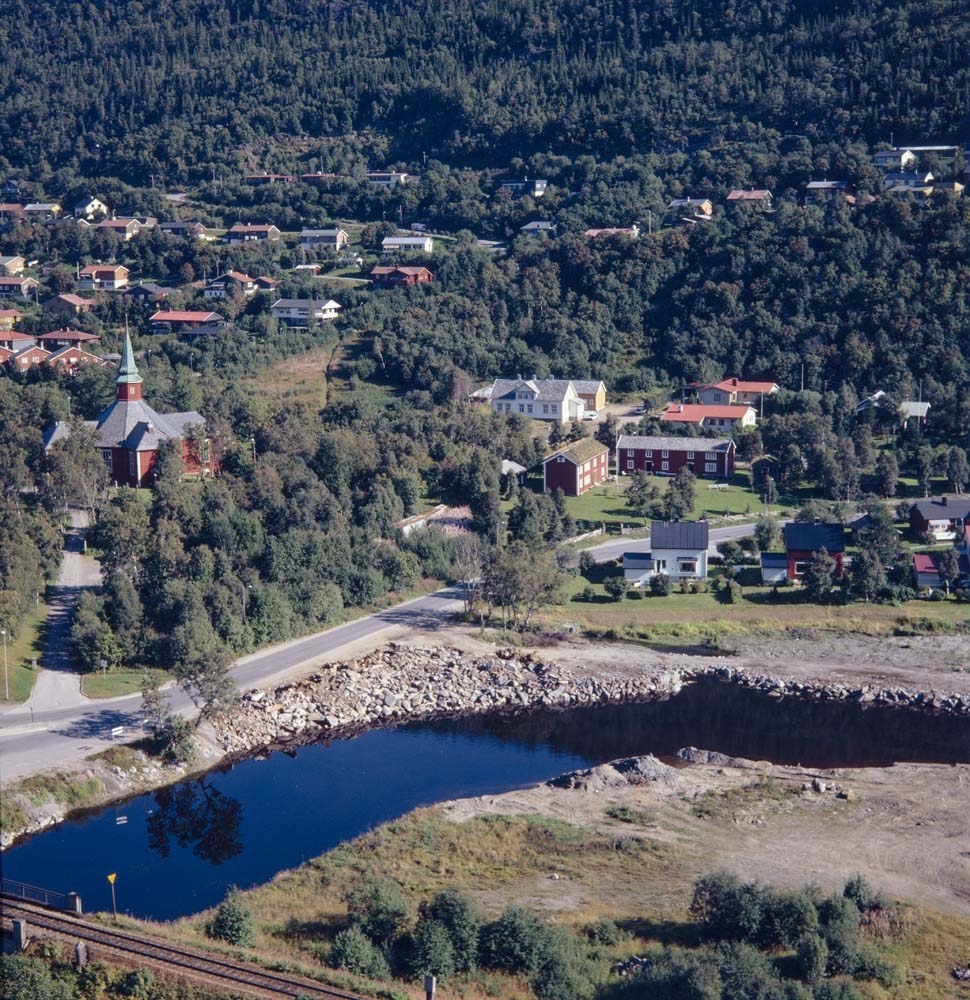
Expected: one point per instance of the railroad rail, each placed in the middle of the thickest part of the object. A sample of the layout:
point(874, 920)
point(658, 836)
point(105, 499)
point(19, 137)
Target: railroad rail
point(171, 962)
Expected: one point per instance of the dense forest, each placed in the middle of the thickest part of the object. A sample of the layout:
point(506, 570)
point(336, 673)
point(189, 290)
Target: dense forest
point(176, 88)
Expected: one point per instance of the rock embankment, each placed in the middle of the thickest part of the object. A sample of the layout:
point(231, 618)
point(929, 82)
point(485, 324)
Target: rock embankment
point(874, 695)
point(399, 683)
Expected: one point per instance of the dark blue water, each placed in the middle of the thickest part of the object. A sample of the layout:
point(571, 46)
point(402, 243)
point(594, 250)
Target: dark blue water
point(176, 850)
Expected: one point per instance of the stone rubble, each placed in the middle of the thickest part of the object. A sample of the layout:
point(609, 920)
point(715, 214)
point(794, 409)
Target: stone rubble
point(400, 683)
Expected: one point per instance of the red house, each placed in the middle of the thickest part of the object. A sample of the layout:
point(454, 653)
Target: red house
point(130, 432)
point(400, 275)
point(668, 455)
point(803, 541)
point(577, 468)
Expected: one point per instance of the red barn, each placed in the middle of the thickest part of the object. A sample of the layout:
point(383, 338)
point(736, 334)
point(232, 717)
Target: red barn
point(577, 468)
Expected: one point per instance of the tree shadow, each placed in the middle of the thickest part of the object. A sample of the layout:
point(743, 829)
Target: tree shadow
point(99, 725)
point(197, 815)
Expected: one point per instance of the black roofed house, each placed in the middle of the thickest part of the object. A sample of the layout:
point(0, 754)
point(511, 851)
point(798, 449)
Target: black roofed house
point(804, 540)
point(944, 518)
point(679, 549)
point(130, 432)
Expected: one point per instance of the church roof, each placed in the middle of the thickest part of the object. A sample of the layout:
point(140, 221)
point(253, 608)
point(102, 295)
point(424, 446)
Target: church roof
point(134, 425)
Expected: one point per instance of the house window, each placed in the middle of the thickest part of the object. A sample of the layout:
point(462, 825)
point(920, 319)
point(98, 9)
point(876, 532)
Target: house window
point(690, 454)
point(561, 458)
point(665, 454)
point(665, 466)
point(800, 566)
point(630, 464)
point(717, 397)
point(687, 566)
point(133, 464)
point(554, 408)
point(630, 453)
point(521, 408)
point(545, 407)
point(648, 453)
point(106, 456)
point(508, 407)
point(660, 565)
point(710, 467)
point(711, 456)
point(529, 407)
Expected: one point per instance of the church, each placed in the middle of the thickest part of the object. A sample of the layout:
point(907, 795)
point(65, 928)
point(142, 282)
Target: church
point(129, 432)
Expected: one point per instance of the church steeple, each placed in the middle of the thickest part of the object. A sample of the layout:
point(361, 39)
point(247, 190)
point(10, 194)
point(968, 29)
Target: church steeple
point(128, 382)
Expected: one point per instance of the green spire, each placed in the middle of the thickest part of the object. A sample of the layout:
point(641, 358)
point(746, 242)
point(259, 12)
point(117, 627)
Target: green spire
point(127, 372)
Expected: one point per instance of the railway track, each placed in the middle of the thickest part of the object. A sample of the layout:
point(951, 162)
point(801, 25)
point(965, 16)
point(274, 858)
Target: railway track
point(168, 961)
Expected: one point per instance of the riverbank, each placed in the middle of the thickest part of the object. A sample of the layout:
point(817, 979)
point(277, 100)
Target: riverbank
point(464, 674)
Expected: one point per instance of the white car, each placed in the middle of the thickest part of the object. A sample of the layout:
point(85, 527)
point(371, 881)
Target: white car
point(591, 415)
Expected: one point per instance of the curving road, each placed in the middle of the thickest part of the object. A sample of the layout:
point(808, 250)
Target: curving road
point(58, 725)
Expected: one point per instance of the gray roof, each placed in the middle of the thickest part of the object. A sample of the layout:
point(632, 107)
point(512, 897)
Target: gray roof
point(545, 390)
point(943, 508)
point(673, 443)
point(804, 537)
point(304, 304)
point(637, 560)
point(774, 560)
point(136, 426)
point(689, 535)
point(590, 385)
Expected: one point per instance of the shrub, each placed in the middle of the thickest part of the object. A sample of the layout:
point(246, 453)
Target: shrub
point(605, 931)
point(564, 970)
point(586, 562)
point(463, 923)
point(660, 585)
point(379, 909)
point(615, 586)
point(515, 942)
point(233, 922)
point(354, 951)
point(811, 958)
point(432, 953)
point(871, 965)
point(839, 921)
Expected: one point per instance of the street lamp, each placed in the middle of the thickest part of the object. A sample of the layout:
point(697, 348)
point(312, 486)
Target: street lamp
point(6, 679)
point(252, 441)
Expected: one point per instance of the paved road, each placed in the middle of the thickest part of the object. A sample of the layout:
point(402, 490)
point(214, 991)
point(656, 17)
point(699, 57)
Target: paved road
point(34, 738)
point(58, 724)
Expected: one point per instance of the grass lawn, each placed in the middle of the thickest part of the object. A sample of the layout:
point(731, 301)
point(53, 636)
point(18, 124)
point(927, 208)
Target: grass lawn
point(607, 502)
point(22, 649)
point(706, 617)
point(111, 684)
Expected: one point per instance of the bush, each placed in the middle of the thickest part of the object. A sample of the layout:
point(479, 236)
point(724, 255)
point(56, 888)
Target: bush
point(615, 586)
point(871, 965)
point(586, 562)
point(811, 958)
point(515, 942)
point(605, 931)
point(660, 585)
point(432, 953)
point(839, 920)
point(233, 922)
point(379, 909)
point(463, 923)
point(564, 971)
point(354, 951)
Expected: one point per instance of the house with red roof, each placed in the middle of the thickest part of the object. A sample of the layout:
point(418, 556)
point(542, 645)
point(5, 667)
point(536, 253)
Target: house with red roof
point(15, 340)
point(9, 318)
point(102, 277)
point(736, 391)
point(753, 196)
point(66, 338)
point(392, 276)
point(709, 417)
point(66, 307)
point(229, 284)
point(171, 320)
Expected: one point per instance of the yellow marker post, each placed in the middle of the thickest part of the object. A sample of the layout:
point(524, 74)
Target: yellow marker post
point(114, 905)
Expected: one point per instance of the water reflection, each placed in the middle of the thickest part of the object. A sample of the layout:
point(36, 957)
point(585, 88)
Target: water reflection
point(196, 816)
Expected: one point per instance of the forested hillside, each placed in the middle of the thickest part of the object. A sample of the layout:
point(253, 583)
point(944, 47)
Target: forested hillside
point(175, 88)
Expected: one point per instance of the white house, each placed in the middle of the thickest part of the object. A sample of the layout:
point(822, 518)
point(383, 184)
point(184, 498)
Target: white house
point(301, 312)
point(413, 244)
point(555, 400)
point(331, 239)
point(677, 549)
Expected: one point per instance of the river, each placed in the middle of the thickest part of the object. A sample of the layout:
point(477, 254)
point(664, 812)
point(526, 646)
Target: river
point(175, 850)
